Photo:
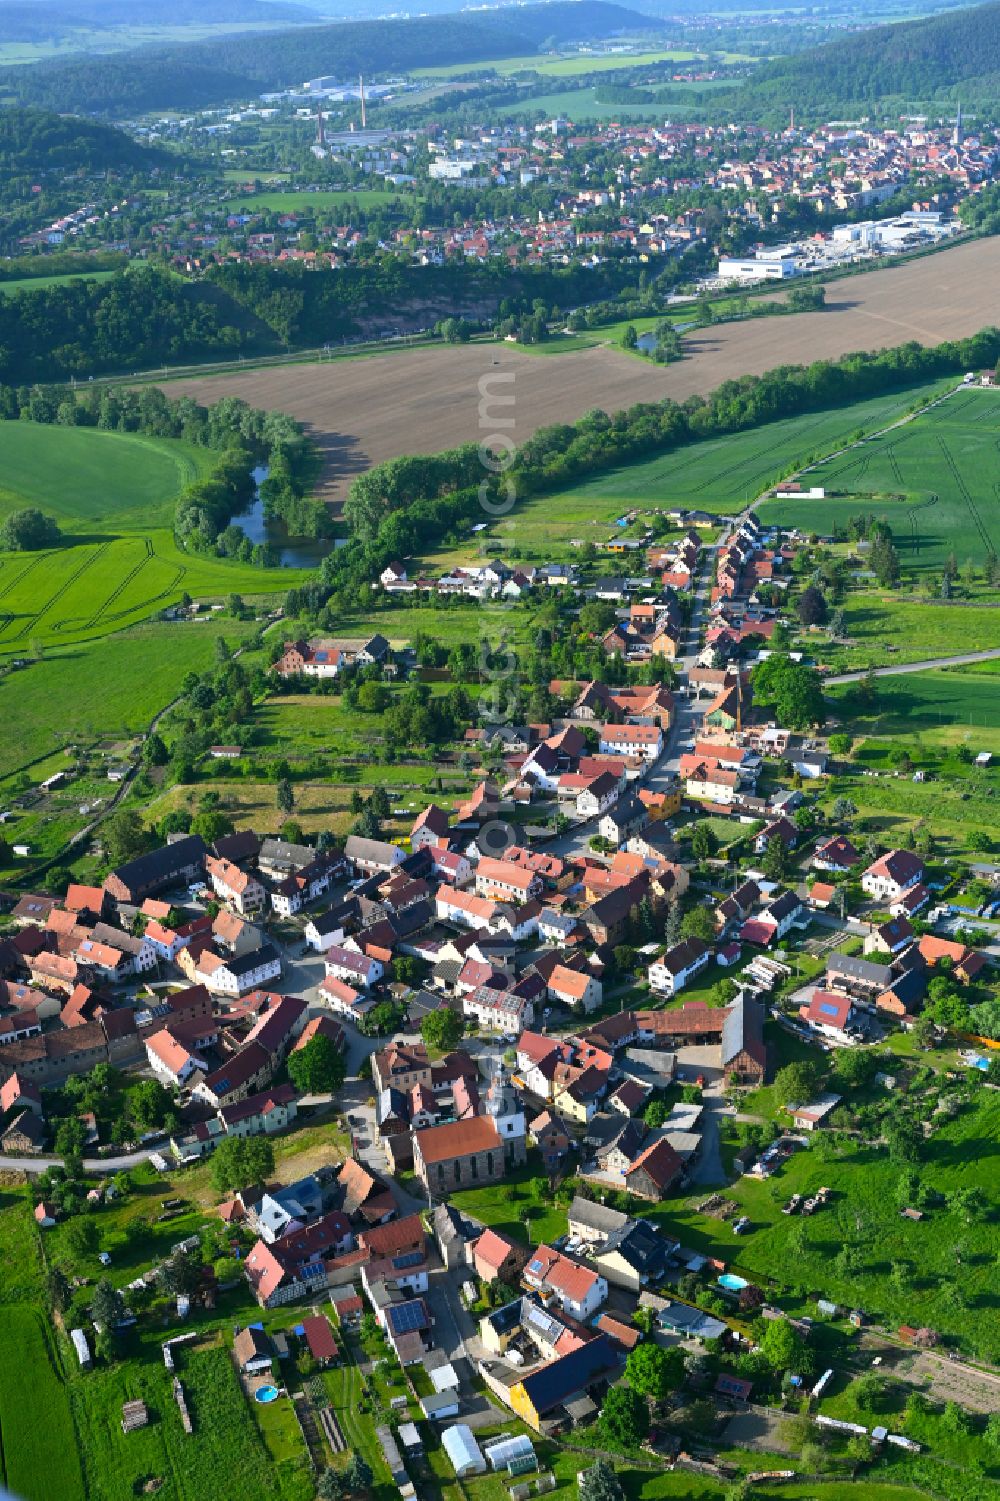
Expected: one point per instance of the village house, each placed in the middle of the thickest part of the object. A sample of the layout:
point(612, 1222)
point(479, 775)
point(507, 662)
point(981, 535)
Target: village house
point(171, 1062)
point(495, 1258)
point(239, 888)
point(893, 873)
point(678, 966)
point(352, 967)
point(577, 1289)
point(574, 988)
point(550, 1136)
point(654, 1171)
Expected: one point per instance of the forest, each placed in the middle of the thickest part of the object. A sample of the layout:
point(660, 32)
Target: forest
point(942, 58)
point(35, 141)
point(139, 317)
point(193, 74)
point(142, 317)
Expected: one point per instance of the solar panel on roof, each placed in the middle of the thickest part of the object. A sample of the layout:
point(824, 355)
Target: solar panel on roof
point(828, 1009)
point(410, 1258)
point(406, 1318)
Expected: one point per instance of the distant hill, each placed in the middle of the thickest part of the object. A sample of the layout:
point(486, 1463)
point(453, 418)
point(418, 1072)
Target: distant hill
point(60, 20)
point(943, 58)
point(193, 74)
point(35, 141)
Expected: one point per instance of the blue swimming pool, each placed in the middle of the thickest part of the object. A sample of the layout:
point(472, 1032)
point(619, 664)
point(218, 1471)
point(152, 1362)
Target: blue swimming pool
point(265, 1394)
point(732, 1283)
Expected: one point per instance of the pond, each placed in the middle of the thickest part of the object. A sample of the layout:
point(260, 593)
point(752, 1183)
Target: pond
point(293, 552)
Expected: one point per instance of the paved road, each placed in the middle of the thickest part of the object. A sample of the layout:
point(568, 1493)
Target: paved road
point(90, 1164)
point(898, 669)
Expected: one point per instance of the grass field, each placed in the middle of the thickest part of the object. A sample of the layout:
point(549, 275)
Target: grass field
point(108, 687)
point(864, 1212)
point(39, 1457)
point(946, 707)
point(937, 482)
point(34, 283)
point(885, 630)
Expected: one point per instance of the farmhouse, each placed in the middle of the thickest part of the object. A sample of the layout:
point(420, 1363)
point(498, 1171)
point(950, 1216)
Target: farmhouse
point(175, 864)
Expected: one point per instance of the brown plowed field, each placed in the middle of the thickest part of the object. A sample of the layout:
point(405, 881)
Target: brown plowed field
point(364, 410)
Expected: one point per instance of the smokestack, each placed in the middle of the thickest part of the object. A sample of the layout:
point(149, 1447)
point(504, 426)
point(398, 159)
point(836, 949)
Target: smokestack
point(361, 82)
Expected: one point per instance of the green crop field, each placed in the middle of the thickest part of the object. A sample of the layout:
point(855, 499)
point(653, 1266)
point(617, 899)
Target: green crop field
point(719, 474)
point(583, 104)
point(936, 480)
point(95, 480)
point(724, 474)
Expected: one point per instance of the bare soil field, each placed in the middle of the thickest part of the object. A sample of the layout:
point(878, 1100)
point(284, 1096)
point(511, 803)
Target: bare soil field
point(365, 410)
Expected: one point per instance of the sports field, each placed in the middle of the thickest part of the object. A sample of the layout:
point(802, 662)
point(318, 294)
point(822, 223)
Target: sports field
point(936, 480)
point(308, 203)
point(361, 411)
point(113, 495)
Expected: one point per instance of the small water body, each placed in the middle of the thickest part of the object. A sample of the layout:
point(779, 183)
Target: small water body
point(648, 341)
point(293, 552)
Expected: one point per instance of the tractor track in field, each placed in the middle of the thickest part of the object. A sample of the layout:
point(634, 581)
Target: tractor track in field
point(966, 495)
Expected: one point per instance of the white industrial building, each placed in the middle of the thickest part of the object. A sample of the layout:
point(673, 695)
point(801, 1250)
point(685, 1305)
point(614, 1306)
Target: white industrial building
point(757, 268)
